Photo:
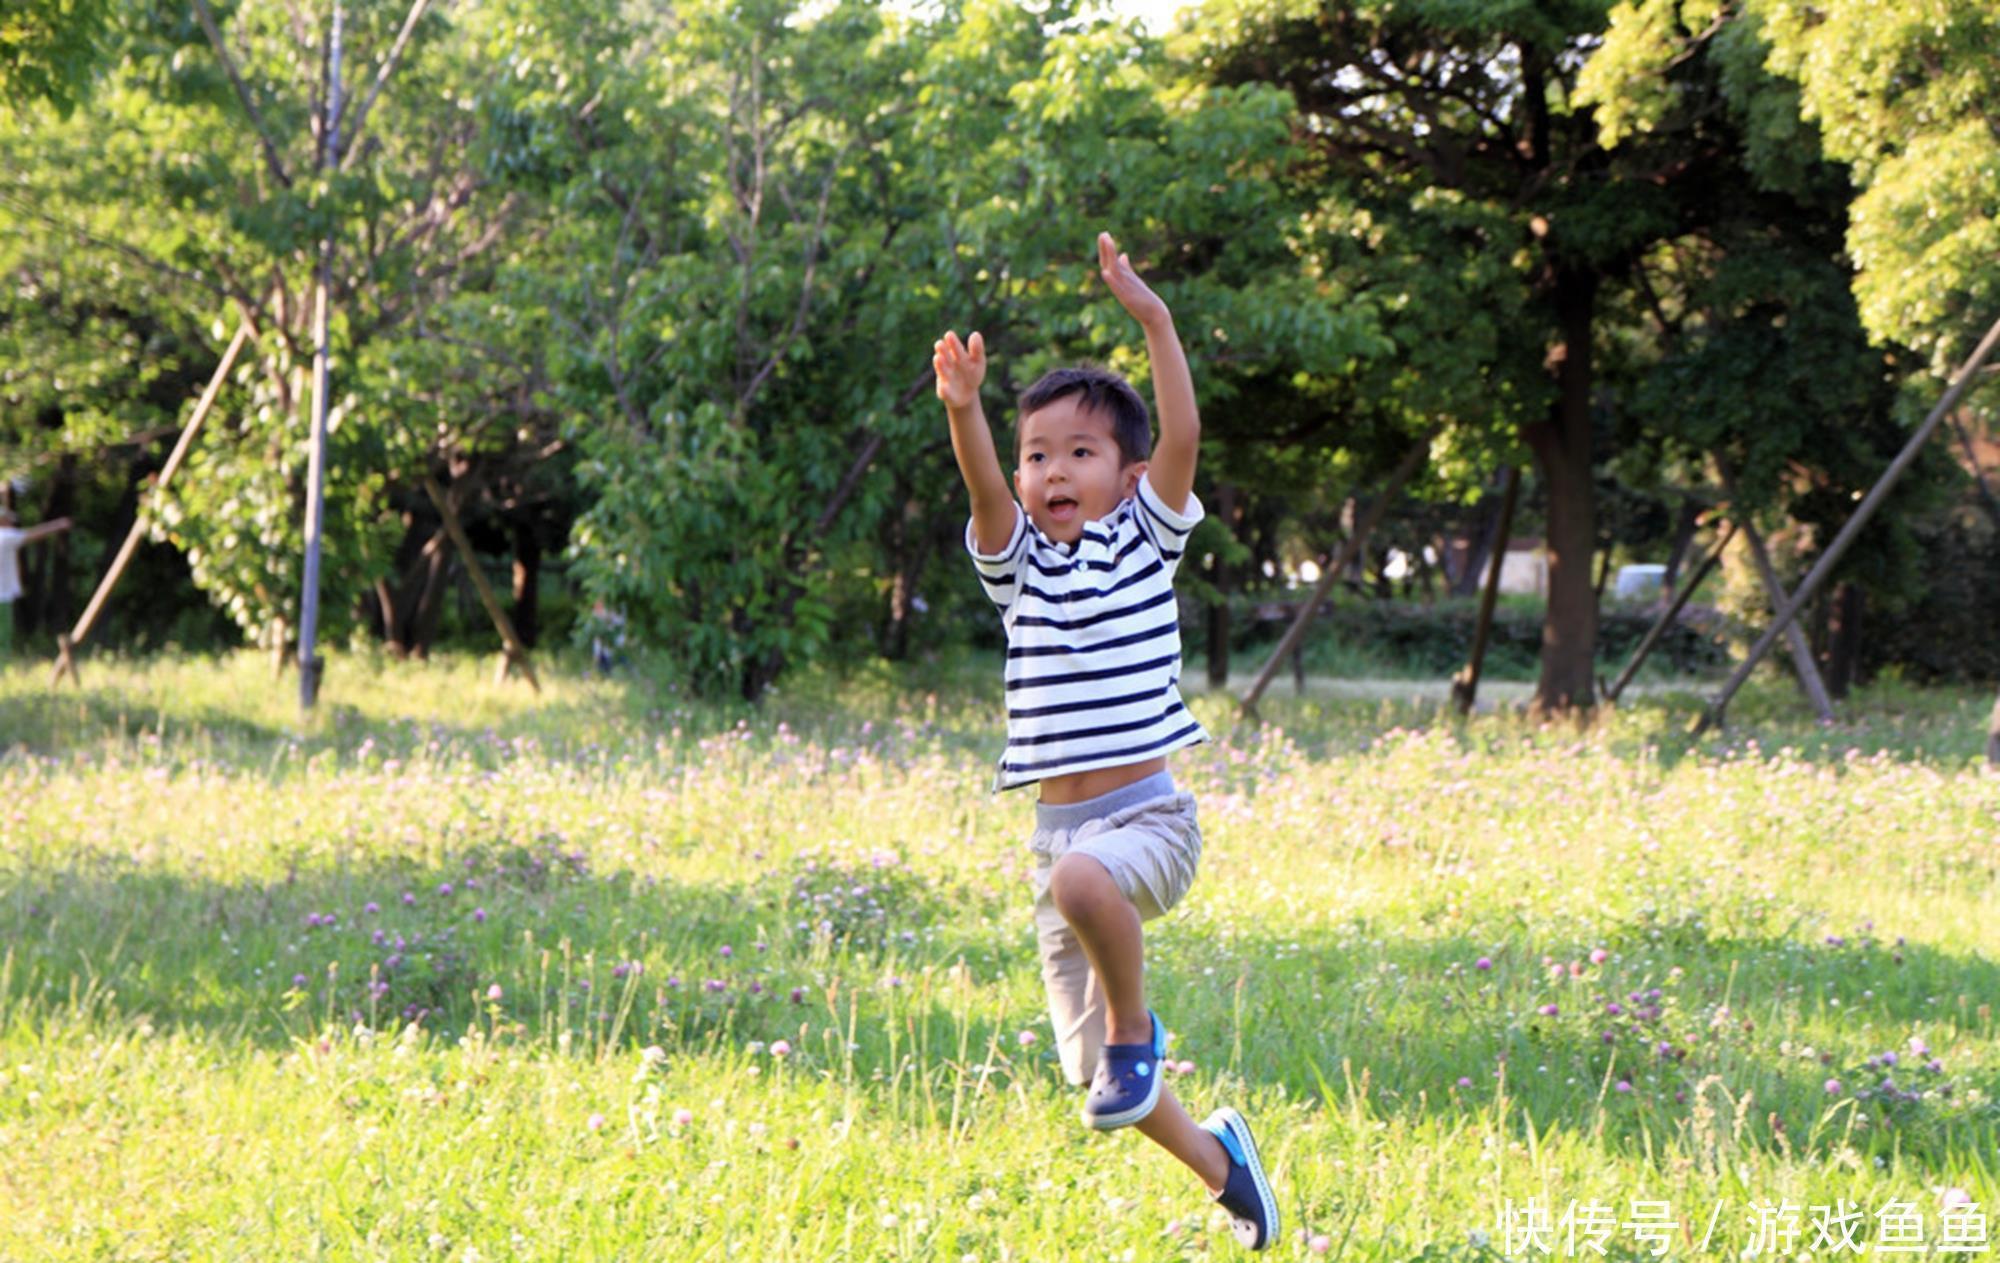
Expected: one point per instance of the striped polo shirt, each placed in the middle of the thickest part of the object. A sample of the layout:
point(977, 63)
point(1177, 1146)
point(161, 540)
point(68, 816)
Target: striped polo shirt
point(1093, 640)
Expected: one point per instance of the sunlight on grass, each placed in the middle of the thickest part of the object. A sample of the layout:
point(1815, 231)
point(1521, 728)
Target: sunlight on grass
point(450, 970)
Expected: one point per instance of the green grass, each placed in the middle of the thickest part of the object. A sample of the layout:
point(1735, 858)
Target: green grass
point(196, 1064)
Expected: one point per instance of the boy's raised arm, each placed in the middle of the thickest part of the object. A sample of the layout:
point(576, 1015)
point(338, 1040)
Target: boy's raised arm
point(960, 368)
point(1171, 469)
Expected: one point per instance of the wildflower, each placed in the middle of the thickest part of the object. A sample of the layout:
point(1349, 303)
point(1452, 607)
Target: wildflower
point(781, 1048)
point(683, 1117)
point(494, 992)
point(1614, 1008)
point(371, 907)
point(479, 915)
point(1598, 956)
point(727, 951)
point(1026, 1039)
point(444, 887)
point(1833, 1087)
point(595, 1122)
point(1548, 1010)
point(408, 899)
point(1624, 1085)
point(1464, 1082)
point(1951, 1197)
point(798, 995)
point(652, 1054)
point(298, 980)
point(1483, 963)
point(1320, 1243)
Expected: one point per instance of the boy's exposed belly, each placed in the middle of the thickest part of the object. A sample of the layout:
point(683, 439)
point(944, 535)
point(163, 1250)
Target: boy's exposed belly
point(1075, 787)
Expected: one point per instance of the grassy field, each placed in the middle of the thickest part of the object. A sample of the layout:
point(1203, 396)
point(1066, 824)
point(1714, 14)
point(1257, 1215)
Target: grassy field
point(454, 972)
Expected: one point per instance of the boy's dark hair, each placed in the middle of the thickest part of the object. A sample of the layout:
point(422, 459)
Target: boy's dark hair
point(1102, 391)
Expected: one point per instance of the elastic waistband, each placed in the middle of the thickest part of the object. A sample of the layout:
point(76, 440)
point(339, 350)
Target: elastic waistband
point(1070, 815)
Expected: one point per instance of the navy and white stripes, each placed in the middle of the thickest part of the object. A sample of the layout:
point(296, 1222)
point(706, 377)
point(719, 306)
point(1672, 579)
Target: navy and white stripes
point(1093, 640)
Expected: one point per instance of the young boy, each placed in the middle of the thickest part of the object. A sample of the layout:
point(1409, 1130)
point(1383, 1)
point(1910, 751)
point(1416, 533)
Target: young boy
point(1082, 571)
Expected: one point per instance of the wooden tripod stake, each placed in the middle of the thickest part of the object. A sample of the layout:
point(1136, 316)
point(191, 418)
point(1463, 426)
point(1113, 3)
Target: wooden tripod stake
point(515, 654)
point(68, 643)
point(1296, 632)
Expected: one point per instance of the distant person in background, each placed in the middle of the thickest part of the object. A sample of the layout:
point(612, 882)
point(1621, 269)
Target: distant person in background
point(12, 537)
point(607, 646)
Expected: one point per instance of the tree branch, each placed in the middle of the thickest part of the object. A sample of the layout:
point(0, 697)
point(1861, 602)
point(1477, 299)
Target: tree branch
point(277, 164)
point(388, 68)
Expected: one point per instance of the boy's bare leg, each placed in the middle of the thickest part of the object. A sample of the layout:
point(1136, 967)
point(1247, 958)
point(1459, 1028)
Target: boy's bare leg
point(1113, 938)
point(1169, 1127)
point(1108, 927)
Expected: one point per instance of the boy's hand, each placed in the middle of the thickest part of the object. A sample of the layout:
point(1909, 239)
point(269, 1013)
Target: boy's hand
point(960, 368)
point(1132, 293)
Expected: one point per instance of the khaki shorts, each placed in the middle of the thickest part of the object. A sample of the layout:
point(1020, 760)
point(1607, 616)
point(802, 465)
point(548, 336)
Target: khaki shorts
point(1146, 837)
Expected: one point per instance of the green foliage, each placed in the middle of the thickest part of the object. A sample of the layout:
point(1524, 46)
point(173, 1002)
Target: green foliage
point(49, 49)
point(1902, 93)
point(765, 331)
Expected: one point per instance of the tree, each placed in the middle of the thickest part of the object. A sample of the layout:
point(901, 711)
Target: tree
point(791, 225)
point(210, 128)
point(1899, 93)
point(1413, 108)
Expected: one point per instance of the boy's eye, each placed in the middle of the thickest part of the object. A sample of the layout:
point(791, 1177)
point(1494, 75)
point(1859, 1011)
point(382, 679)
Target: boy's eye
point(1081, 451)
point(1033, 457)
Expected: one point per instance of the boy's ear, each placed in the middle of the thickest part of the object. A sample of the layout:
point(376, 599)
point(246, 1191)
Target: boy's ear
point(1019, 493)
point(1132, 473)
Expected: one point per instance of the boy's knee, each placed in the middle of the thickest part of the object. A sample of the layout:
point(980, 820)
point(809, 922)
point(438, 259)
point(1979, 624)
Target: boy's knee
point(1078, 881)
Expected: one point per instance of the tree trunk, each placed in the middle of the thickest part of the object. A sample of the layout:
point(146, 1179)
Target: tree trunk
point(911, 542)
point(1465, 685)
point(1468, 581)
point(1562, 455)
point(1225, 582)
point(420, 628)
point(1993, 736)
point(1684, 528)
point(526, 614)
point(1843, 638)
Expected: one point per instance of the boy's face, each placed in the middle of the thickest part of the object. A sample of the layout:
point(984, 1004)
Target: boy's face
point(1071, 470)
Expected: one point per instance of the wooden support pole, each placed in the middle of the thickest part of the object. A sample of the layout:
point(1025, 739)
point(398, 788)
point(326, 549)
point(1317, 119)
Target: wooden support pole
point(1795, 636)
point(1718, 708)
point(1666, 619)
point(1993, 737)
point(1352, 545)
point(68, 644)
point(1465, 685)
point(515, 654)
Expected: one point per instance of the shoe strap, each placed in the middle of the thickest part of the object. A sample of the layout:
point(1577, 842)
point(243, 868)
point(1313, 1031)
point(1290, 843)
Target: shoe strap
point(1222, 1132)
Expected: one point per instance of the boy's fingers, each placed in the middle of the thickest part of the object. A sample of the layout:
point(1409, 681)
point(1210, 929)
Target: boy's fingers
point(977, 346)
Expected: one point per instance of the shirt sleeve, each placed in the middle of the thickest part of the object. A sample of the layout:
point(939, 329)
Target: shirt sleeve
point(1167, 529)
point(1000, 573)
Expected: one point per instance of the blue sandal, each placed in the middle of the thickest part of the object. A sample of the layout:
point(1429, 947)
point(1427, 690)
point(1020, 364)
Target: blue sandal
point(1253, 1211)
point(1126, 1086)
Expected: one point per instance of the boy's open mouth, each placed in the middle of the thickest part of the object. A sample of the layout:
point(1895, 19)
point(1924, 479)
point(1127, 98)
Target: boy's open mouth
point(1062, 508)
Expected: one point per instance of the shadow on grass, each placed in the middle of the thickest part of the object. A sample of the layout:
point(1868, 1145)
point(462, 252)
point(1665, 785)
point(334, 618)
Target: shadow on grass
point(405, 940)
point(1414, 1025)
point(1379, 1026)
